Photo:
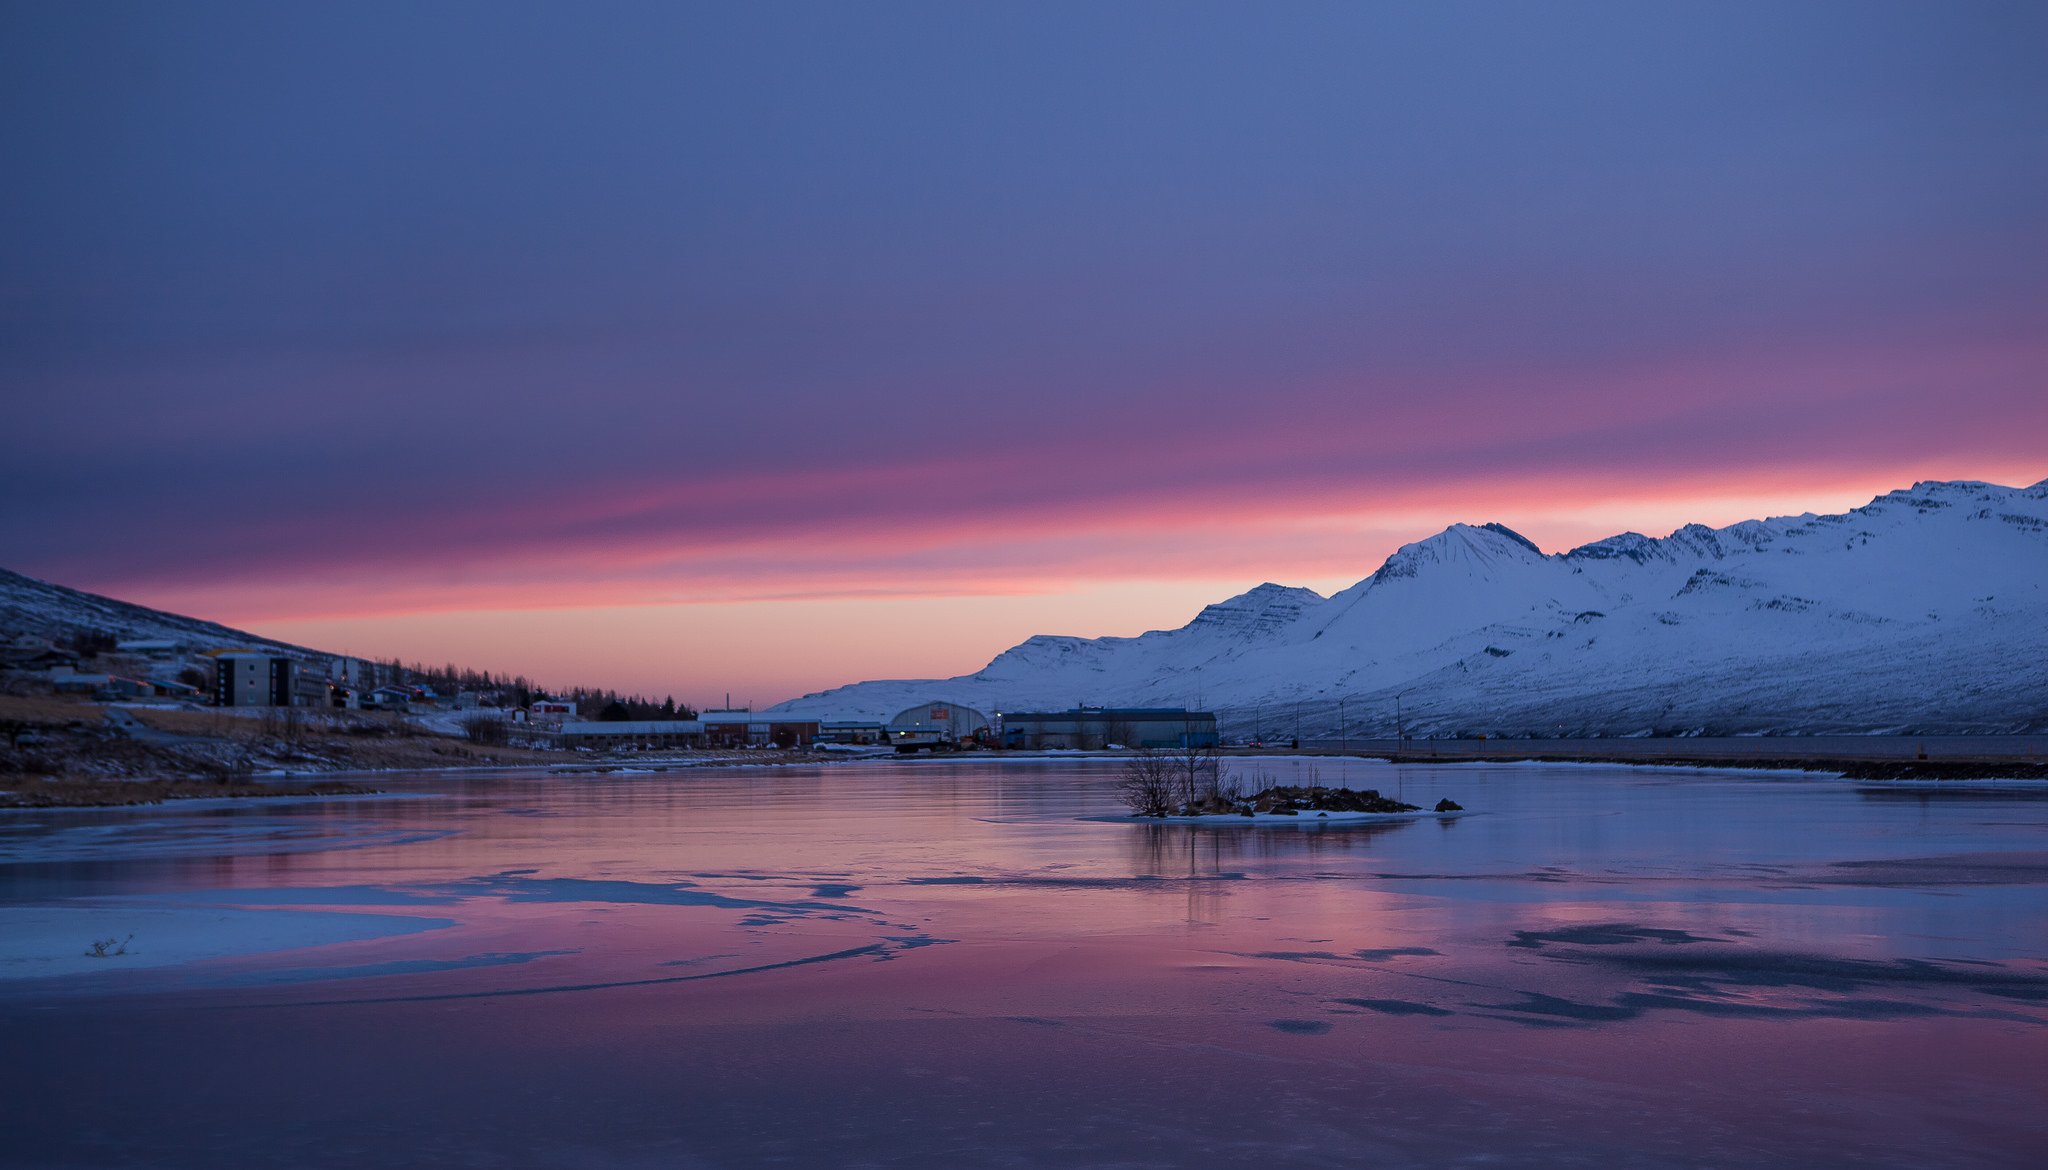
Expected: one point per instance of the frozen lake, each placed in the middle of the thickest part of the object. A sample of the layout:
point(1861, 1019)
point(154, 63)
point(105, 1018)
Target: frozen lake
point(944, 965)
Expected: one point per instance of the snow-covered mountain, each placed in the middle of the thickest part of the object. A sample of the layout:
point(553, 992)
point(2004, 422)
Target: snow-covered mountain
point(1925, 610)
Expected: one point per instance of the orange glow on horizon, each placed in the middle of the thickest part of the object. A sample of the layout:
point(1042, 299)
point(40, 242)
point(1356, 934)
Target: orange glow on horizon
point(773, 618)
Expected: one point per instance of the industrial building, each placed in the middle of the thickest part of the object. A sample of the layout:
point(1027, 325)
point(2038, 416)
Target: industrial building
point(937, 724)
point(737, 729)
point(853, 731)
point(1095, 728)
point(641, 733)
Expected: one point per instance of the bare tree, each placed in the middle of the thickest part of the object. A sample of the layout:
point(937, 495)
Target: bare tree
point(1149, 783)
point(1186, 779)
point(1198, 774)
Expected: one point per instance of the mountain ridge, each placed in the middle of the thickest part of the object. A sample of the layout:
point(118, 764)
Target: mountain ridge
point(1923, 610)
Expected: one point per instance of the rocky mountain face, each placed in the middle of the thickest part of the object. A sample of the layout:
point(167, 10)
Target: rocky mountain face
point(1924, 611)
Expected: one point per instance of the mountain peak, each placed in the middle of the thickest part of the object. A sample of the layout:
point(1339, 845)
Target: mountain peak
point(1633, 545)
point(1475, 546)
point(1257, 610)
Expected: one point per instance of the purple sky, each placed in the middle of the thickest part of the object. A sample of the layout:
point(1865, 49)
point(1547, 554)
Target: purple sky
point(360, 322)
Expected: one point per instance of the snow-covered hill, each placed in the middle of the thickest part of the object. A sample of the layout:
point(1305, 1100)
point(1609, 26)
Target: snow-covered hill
point(1925, 610)
point(38, 608)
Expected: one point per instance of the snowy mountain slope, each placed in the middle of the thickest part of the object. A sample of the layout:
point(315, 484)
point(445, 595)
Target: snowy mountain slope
point(1925, 610)
point(38, 608)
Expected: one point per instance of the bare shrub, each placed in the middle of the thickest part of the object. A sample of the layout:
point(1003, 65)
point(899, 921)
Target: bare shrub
point(108, 948)
point(1230, 787)
point(284, 724)
point(235, 764)
point(486, 731)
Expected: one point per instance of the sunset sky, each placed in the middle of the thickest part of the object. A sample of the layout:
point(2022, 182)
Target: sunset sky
point(759, 348)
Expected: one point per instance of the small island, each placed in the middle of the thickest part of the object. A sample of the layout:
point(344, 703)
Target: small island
point(1192, 784)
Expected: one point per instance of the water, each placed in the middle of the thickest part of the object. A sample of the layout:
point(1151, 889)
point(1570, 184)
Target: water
point(947, 965)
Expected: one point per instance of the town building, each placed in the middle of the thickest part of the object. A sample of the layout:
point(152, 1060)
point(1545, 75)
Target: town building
point(310, 690)
point(242, 679)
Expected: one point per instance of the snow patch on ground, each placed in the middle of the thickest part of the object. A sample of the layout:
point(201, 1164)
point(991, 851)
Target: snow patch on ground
point(38, 942)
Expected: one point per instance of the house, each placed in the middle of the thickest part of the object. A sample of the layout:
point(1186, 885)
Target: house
point(103, 686)
point(171, 688)
point(157, 649)
point(23, 650)
point(552, 708)
point(53, 661)
point(69, 682)
point(120, 687)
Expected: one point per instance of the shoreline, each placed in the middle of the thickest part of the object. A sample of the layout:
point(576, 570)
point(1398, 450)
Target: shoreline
point(110, 792)
point(1849, 769)
point(95, 793)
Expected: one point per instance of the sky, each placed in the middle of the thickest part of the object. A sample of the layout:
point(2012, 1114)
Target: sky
point(700, 349)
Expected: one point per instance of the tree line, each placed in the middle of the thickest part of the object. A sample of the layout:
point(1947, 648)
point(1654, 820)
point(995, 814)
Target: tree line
point(516, 690)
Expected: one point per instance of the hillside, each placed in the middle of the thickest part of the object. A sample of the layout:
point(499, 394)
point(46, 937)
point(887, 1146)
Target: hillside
point(29, 606)
point(1924, 611)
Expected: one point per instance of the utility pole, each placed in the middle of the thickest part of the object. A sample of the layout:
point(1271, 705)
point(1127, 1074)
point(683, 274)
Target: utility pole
point(1400, 728)
point(1343, 728)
